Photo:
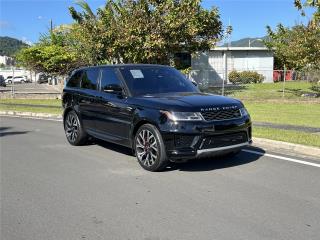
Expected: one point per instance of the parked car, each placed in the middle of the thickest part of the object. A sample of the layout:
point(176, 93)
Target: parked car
point(2, 81)
point(43, 78)
point(154, 110)
point(17, 79)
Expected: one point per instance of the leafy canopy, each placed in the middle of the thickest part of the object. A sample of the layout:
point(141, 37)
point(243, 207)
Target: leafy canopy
point(297, 47)
point(126, 31)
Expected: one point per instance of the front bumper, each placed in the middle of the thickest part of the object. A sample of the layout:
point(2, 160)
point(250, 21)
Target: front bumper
point(187, 140)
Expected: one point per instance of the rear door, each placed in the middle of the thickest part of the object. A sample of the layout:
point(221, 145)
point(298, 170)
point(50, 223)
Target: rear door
point(114, 116)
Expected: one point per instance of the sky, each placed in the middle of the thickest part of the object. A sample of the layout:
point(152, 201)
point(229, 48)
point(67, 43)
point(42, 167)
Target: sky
point(27, 19)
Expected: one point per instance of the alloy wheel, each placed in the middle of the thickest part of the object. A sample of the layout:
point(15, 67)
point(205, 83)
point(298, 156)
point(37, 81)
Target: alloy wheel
point(72, 127)
point(146, 148)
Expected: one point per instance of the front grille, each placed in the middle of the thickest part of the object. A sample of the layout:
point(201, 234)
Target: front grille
point(221, 114)
point(224, 140)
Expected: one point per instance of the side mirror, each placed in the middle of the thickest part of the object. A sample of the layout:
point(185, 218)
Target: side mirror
point(113, 88)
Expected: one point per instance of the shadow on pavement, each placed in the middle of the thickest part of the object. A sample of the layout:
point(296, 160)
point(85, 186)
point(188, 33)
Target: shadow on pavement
point(213, 163)
point(4, 132)
point(112, 146)
point(201, 164)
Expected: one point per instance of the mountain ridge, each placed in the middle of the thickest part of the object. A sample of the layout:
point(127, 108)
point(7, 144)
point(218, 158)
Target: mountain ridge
point(9, 46)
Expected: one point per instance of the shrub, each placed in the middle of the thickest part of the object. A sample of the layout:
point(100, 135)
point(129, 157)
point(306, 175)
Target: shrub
point(234, 77)
point(245, 77)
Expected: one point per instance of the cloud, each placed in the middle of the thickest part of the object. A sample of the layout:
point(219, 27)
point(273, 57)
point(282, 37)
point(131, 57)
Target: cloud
point(25, 40)
point(39, 17)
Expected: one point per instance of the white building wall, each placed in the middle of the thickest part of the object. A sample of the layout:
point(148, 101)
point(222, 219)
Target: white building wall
point(211, 68)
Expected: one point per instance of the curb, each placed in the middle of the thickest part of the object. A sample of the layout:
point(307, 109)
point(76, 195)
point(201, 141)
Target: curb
point(45, 116)
point(268, 144)
point(280, 146)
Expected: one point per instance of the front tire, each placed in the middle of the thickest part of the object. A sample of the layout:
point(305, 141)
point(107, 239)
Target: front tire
point(149, 148)
point(74, 130)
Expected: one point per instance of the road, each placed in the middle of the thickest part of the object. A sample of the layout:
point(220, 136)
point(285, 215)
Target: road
point(51, 190)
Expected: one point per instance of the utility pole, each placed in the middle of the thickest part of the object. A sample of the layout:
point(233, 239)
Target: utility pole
point(225, 78)
point(12, 84)
point(284, 80)
point(51, 26)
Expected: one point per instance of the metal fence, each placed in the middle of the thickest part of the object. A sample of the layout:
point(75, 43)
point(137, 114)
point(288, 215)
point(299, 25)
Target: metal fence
point(283, 83)
point(217, 77)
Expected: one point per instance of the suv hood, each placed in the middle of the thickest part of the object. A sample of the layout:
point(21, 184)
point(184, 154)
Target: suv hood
point(187, 102)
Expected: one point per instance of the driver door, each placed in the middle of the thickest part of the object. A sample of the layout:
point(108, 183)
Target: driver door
point(113, 118)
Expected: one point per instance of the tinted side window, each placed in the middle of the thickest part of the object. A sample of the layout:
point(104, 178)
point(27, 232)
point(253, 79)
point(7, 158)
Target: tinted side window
point(74, 81)
point(108, 77)
point(90, 78)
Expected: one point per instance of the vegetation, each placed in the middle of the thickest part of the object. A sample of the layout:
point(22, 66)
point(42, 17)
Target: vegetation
point(266, 92)
point(299, 114)
point(245, 77)
point(46, 102)
point(32, 105)
point(9, 46)
point(297, 47)
point(124, 31)
point(287, 136)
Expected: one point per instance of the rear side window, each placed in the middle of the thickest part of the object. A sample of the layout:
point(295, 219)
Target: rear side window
point(75, 79)
point(109, 77)
point(90, 78)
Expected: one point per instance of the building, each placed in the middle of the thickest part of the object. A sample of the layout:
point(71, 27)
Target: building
point(212, 67)
point(6, 61)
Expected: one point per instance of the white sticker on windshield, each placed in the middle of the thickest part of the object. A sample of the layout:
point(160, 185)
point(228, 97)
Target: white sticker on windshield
point(136, 73)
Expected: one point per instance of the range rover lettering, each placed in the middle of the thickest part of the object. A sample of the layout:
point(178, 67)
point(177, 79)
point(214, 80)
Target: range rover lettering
point(154, 110)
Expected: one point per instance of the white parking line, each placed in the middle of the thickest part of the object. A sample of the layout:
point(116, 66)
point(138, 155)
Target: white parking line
point(282, 158)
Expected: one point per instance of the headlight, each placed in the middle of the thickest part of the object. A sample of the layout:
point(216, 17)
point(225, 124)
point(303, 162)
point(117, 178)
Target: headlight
point(183, 116)
point(244, 112)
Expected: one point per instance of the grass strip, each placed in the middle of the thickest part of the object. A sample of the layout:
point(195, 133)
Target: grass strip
point(291, 136)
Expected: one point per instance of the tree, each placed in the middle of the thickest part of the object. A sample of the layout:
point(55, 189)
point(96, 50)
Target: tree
point(51, 59)
point(146, 31)
point(297, 47)
point(309, 3)
point(125, 31)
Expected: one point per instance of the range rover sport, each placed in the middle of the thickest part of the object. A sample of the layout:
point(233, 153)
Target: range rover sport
point(154, 110)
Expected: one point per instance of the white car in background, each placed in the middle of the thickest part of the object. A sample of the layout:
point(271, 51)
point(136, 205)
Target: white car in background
point(17, 79)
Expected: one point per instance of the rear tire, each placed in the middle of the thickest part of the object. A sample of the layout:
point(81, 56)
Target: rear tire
point(9, 82)
point(73, 128)
point(150, 149)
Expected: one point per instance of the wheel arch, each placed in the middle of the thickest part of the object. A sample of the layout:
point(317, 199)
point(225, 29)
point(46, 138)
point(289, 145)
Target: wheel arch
point(136, 127)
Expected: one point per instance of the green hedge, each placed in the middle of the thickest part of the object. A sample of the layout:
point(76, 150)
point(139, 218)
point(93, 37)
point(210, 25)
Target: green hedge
point(245, 77)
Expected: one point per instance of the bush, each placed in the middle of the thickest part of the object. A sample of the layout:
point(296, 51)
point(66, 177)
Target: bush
point(245, 77)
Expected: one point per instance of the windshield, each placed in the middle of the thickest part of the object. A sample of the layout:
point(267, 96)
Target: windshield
point(146, 80)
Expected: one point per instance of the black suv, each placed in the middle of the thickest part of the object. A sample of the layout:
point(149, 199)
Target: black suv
point(154, 110)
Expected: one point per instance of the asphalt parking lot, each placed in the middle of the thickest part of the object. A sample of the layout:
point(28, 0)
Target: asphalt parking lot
point(51, 190)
